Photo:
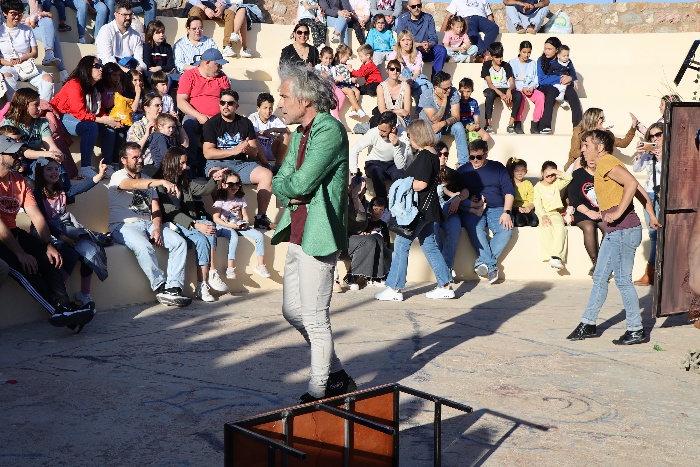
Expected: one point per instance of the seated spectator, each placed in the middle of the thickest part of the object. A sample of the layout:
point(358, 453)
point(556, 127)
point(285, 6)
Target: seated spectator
point(368, 71)
point(526, 15)
point(488, 180)
point(422, 26)
point(563, 66)
point(147, 8)
point(469, 111)
point(340, 14)
point(500, 82)
point(18, 45)
point(310, 14)
point(300, 52)
point(158, 55)
point(388, 156)
point(246, 15)
point(143, 128)
point(198, 97)
point(393, 95)
point(166, 134)
point(440, 108)
point(188, 50)
point(118, 42)
point(81, 9)
point(136, 221)
point(273, 134)
point(411, 60)
point(342, 77)
point(160, 83)
point(391, 9)
point(79, 103)
point(549, 209)
point(479, 19)
point(548, 81)
point(525, 76)
point(587, 215)
point(231, 217)
point(230, 142)
point(221, 12)
point(194, 223)
point(594, 119)
point(381, 39)
point(45, 32)
point(110, 84)
point(524, 204)
point(33, 261)
point(456, 41)
point(325, 68)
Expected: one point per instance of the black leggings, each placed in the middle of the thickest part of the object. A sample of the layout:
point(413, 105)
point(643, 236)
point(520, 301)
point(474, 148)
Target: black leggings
point(522, 219)
point(550, 97)
point(590, 236)
point(491, 97)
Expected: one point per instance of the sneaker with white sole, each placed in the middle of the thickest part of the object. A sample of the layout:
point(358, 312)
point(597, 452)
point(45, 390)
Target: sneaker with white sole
point(493, 276)
point(564, 105)
point(50, 59)
point(230, 273)
point(335, 38)
point(202, 292)
point(556, 264)
point(83, 299)
point(337, 287)
point(246, 53)
point(215, 281)
point(63, 76)
point(481, 270)
point(388, 295)
point(440, 292)
point(173, 296)
point(261, 270)
point(235, 37)
point(352, 114)
point(228, 52)
point(361, 114)
point(81, 40)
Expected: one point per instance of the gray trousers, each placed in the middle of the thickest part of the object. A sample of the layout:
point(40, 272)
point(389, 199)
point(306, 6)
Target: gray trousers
point(306, 299)
point(514, 17)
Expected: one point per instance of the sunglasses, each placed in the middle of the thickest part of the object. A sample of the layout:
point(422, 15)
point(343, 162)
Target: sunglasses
point(417, 5)
point(228, 103)
point(97, 66)
point(444, 153)
point(655, 135)
point(477, 157)
point(392, 68)
point(302, 33)
point(231, 184)
point(602, 119)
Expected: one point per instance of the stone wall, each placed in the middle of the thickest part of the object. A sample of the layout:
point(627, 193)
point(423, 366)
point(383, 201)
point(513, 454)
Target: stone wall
point(608, 18)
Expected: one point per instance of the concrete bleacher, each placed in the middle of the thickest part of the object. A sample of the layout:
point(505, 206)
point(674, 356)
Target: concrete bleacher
point(614, 73)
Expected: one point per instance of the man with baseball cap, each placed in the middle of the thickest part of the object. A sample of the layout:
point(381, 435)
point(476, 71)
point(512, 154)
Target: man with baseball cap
point(198, 98)
point(33, 261)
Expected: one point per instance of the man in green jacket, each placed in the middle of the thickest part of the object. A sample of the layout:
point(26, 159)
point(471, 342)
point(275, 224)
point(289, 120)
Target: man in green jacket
point(313, 185)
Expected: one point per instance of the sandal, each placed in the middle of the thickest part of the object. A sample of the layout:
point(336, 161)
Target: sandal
point(64, 28)
point(519, 29)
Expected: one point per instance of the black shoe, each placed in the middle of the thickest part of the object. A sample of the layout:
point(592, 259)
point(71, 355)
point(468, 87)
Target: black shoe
point(519, 128)
point(307, 398)
point(510, 129)
point(73, 316)
point(631, 337)
point(263, 222)
point(173, 297)
point(582, 331)
point(339, 383)
point(546, 131)
point(535, 128)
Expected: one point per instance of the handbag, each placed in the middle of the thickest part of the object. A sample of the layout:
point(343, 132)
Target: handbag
point(27, 69)
point(418, 222)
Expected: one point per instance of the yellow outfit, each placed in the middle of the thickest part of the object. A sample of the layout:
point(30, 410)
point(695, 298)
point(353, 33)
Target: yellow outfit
point(553, 238)
point(524, 194)
point(608, 191)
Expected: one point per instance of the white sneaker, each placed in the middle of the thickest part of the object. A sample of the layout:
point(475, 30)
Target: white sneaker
point(50, 59)
point(261, 270)
point(245, 53)
point(564, 104)
point(353, 286)
point(235, 37)
point(202, 292)
point(388, 295)
point(361, 114)
point(230, 273)
point(228, 52)
point(441, 292)
point(63, 76)
point(481, 270)
point(556, 264)
point(81, 40)
point(352, 113)
point(335, 38)
point(215, 281)
point(83, 299)
point(87, 172)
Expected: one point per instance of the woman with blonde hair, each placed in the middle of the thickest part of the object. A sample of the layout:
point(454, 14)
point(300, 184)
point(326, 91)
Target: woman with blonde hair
point(424, 172)
point(411, 60)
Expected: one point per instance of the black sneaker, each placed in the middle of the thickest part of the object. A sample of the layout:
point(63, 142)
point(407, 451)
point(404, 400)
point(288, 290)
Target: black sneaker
point(631, 337)
point(307, 398)
point(173, 297)
point(582, 331)
point(545, 131)
point(510, 129)
point(489, 129)
point(339, 383)
point(263, 222)
point(72, 315)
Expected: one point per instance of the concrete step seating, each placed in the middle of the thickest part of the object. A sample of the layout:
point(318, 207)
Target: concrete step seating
point(619, 81)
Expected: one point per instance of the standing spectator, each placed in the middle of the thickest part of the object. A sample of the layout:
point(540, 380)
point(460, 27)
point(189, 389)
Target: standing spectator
point(340, 14)
point(198, 98)
point(135, 220)
point(188, 50)
point(525, 75)
point(391, 9)
point(526, 15)
point(33, 261)
point(158, 55)
point(479, 19)
point(300, 52)
point(422, 26)
point(381, 39)
point(499, 82)
point(549, 207)
point(230, 142)
point(118, 42)
point(79, 102)
point(148, 8)
point(490, 180)
point(393, 95)
point(310, 14)
point(547, 82)
point(615, 187)
point(313, 186)
point(219, 14)
point(587, 215)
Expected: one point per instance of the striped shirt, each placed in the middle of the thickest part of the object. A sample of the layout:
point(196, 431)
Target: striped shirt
point(186, 51)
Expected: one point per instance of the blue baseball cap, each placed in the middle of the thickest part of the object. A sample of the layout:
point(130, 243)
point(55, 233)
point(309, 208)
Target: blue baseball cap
point(211, 55)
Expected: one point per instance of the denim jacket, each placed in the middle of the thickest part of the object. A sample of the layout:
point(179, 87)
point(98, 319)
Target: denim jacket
point(403, 201)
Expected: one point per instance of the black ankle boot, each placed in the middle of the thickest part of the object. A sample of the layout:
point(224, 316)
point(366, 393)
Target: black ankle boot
point(631, 337)
point(582, 331)
point(535, 128)
point(519, 128)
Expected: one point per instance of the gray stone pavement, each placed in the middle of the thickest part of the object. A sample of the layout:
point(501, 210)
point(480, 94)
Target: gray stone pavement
point(150, 385)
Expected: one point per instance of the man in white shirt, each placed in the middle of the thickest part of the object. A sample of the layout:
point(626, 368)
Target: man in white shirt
point(118, 42)
point(479, 19)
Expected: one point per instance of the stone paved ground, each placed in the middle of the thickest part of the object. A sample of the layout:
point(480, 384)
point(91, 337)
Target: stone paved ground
point(154, 386)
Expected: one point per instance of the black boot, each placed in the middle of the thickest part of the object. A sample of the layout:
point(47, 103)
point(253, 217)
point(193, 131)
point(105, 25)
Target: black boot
point(582, 331)
point(631, 337)
point(339, 383)
point(535, 128)
point(519, 128)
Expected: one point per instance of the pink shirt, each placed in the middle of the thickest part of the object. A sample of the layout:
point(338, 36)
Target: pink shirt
point(450, 39)
point(417, 65)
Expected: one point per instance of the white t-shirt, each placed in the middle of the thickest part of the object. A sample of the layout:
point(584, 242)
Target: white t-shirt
point(466, 8)
point(15, 42)
point(126, 205)
point(266, 143)
point(303, 13)
point(231, 209)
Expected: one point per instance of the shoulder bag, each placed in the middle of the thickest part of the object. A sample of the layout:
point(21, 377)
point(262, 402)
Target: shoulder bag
point(27, 69)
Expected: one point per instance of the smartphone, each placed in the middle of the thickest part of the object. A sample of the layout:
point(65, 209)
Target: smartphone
point(649, 146)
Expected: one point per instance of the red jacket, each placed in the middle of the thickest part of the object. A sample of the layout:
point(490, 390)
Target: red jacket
point(71, 100)
point(369, 72)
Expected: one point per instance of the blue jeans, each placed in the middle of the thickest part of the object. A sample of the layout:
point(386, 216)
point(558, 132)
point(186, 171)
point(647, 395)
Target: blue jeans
point(202, 243)
point(399, 262)
point(487, 251)
point(616, 255)
point(437, 55)
point(652, 232)
point(457, 130)
point(89, 132)
point(453, 228)
point(60, 8)
point(233, 235)
point(46, 33)
point(477, 24)
point(147, 8)
point(136, 237)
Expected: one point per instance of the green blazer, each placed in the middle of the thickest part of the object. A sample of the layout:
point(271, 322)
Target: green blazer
point(323, 177)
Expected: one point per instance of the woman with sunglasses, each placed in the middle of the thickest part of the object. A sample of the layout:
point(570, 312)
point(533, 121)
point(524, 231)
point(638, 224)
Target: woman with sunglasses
point(393, 95)
point(594, 119)
point(648, 158)
point(79, 102)
point(300, 52)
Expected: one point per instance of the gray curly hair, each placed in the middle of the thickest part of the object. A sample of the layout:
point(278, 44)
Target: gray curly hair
point(307, 84)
